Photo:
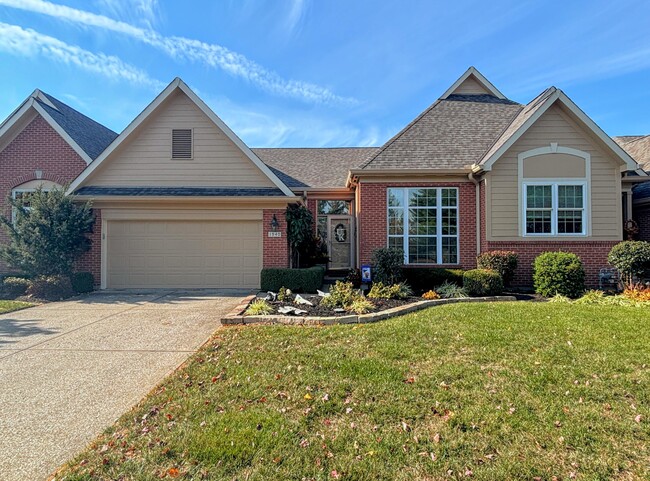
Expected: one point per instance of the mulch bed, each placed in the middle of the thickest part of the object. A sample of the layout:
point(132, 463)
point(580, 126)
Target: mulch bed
point(322, 311)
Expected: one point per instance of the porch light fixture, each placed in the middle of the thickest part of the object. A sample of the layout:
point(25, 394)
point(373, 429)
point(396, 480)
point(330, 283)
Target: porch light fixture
point(274, 223)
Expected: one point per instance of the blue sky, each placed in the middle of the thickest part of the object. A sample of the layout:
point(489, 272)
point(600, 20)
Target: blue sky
point(329, 72)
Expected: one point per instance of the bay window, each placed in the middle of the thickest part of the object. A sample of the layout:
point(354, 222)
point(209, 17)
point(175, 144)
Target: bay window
point(423, 222)
point(554, 208)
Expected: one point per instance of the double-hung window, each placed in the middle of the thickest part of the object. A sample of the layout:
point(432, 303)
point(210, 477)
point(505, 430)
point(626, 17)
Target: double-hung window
point(554, 208)
point(423, 222)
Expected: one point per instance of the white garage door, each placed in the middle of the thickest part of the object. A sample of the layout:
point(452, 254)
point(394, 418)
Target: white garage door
point(191, 254)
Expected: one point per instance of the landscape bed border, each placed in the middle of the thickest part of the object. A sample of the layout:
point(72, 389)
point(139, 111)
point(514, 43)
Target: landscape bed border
point(237, 317)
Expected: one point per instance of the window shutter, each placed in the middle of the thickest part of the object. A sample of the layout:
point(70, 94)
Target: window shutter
point(181, 143)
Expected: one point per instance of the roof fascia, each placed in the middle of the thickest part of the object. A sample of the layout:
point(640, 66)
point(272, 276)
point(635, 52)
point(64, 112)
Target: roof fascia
point(275, 200)
point(560, 96)
point(485, 83)
point(234, 138)
point(31, 103)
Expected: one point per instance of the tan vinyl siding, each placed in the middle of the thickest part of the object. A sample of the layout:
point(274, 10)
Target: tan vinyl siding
point(470, 86)
point(504, 211)
point(146, 160)
point(561, 166)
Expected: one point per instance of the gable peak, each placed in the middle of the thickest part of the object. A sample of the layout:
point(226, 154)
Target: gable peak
point(472, 82)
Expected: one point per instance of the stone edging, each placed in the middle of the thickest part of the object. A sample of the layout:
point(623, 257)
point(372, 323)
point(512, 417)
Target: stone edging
point(236, 316)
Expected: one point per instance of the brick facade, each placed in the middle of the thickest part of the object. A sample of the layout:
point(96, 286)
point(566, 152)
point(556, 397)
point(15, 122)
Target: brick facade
point(37, 148)
point(592, 253)
point(372, 218)
point(276, 249)
point(91, 261)
point(642, 217)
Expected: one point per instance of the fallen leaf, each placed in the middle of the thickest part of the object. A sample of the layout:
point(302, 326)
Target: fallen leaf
point(173, 472)
point(405, 427)
point(409, 380)
point(307, 396)
point(436, 438)
point(638, 418)
point(334, 474)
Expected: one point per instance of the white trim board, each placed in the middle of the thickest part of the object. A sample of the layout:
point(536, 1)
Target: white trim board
point(178, 84)
point(32, 103)
point(558, 95)
point(585, 181)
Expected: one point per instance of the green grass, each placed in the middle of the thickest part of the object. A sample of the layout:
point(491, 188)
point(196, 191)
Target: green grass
point(9, 306)
point(492, 391)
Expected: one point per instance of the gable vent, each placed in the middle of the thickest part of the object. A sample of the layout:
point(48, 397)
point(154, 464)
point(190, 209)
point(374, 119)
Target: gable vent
point(181, 143)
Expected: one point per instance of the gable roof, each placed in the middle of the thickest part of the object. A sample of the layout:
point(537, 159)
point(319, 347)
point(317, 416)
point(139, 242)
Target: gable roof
point(638, 146)
point(452, 133)
point(474, 74)
point(178, 84)
point(314, 168)
point(86, 137)
point(533, 111)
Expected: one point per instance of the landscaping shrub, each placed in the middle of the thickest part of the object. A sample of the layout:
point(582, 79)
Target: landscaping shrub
point(13, 287)
point(82, 282)
point(637, 293)
point(503, 262)
point(50, 288)
point(450, 290)
point(422, 279)
point(342, 294)
point(395, 291)
point(48, 237)
point(430, 295)
point(298, 280)
point(482, 282)
point(259, 307)
point(284, 294)
point(558, 273)
point(631, 258)
point(387, 265)
point(360, 305)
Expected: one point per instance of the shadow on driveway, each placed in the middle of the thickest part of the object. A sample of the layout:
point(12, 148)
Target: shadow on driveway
point(16, 329)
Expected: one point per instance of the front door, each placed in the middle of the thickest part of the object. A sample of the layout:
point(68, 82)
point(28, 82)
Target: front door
point(340, 241)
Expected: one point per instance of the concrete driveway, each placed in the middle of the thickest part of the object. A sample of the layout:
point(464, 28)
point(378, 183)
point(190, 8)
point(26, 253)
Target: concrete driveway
point(69, 369)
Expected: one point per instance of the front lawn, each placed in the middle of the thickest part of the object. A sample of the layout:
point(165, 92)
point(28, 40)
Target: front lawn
point(479, 391)
point(9, 306)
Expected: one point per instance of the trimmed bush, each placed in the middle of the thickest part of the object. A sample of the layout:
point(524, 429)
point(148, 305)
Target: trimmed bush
point(422, 279)
point(482, 282)
point(631, 258)
point(559, 273)
point(82, 282)
point(50, 288)
point(387, 265)
point(396, 291)
point(298, 280)
point(503, 262)
point(13, 287)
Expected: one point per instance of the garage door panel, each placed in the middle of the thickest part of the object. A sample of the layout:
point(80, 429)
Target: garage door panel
point(157, 253)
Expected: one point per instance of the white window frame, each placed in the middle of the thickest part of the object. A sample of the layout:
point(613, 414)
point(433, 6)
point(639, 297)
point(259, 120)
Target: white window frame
point(439, 235)
point(555, 148)
point(13, 196)
point(555, 207)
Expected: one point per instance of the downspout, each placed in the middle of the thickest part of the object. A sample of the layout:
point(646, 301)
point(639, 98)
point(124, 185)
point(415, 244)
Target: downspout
point(478, 211)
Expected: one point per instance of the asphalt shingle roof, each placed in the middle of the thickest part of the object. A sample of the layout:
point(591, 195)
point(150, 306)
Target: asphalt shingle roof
point(319, 167)
point(181, 191)
point(452, 133)
point(638, 146)
point(91, 136)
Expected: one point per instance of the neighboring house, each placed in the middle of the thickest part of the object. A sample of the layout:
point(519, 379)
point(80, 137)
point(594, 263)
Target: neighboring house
point(181, 201)
point(638, 146)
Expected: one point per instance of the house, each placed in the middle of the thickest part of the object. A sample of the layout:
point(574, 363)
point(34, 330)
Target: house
point(181, 201)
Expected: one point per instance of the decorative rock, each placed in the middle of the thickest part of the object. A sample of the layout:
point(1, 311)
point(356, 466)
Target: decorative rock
point(322, 294)
point(271, 296)
point(339, 310)
point(301, 300)
point(291, 310)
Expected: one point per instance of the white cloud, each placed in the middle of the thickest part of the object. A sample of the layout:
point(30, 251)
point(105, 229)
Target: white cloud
point(29, 43)
point(146, 12)
point(212, 55)
point(296, 14)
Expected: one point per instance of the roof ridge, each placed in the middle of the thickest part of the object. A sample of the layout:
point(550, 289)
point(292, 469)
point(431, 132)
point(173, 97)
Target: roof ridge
point(316, 148)
point(400, 133)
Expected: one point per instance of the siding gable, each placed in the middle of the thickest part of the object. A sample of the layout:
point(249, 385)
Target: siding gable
point(145, 160)
point(470, 86)
point(555, 125)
